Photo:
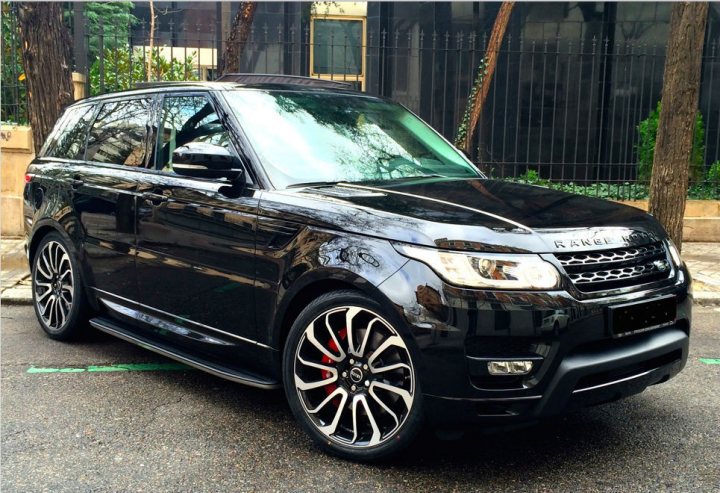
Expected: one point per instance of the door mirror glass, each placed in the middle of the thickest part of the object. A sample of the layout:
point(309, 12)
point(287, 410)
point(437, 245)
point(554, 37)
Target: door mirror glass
point(206, 160)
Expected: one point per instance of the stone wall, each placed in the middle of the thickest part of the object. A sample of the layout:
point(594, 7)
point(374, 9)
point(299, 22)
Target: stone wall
point(16, 152)
point(701, 221)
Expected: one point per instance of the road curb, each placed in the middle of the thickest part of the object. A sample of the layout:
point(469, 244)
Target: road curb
point(706, 298)
point(15, 301)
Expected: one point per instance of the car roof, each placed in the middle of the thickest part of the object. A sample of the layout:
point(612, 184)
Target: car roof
point(234, 82)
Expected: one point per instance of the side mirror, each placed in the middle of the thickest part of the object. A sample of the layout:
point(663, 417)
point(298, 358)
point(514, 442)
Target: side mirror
point(205, 160)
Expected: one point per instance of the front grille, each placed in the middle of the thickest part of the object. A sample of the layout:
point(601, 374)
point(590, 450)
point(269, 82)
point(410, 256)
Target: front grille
point(616, 268)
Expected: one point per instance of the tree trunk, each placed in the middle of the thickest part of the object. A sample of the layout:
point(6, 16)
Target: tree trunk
point(46, 54)
point(674, 142)
point(152, 41)
point(237, 37)
point(490, 59)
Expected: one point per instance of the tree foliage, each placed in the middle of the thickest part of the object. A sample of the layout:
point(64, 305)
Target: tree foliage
point(117, 21)
point(123, 71)
point(646, 146)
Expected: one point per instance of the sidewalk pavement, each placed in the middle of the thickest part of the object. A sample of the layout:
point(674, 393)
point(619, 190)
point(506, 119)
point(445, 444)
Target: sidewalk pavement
point(703, 260)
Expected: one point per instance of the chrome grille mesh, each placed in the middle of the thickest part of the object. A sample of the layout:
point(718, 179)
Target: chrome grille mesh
point(616, 268)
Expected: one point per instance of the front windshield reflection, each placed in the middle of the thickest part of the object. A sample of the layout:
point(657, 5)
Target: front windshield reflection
point(308, 137)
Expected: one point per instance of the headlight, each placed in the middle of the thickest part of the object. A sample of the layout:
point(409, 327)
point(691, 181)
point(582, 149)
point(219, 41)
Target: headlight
point(487, 270)
point(674, 253)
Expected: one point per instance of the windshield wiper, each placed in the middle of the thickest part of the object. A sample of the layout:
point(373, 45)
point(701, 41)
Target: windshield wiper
point(314, 184)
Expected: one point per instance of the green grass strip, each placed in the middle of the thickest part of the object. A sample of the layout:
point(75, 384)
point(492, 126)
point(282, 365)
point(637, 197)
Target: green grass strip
point(116, 367)
point(710, 361)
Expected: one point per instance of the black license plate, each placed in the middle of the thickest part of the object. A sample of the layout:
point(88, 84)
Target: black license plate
point(644, 315)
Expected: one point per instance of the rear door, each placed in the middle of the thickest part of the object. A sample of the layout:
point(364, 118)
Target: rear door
point(104, 196)
point(196, 244)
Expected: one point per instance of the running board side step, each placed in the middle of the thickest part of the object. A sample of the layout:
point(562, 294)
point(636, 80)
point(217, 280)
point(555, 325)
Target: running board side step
point(115, 329)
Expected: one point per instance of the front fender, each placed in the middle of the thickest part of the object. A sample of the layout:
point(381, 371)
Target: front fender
point(314, 262)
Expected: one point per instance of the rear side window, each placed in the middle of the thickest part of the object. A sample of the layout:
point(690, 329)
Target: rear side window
point(69, 142)
point(119, 134)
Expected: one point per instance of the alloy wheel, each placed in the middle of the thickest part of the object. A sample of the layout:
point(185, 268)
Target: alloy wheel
point(354, 377)
point(53, 285)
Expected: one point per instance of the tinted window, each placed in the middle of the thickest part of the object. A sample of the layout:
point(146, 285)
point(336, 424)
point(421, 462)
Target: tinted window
point(337, 46)
point(119, 133)
point(187, 119)
point(69, 142)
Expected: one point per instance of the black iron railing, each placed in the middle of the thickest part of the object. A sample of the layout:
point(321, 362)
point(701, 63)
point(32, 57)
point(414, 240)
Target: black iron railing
point(561, 113)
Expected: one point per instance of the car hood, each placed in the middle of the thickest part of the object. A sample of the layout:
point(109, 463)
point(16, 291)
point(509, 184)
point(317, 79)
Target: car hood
point(475, 214)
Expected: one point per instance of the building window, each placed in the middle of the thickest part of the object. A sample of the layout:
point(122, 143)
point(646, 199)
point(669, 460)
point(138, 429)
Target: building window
point(337, 49)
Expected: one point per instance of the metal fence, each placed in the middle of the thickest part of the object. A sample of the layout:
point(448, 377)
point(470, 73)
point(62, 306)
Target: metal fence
point(13, 96)
point(563, 113)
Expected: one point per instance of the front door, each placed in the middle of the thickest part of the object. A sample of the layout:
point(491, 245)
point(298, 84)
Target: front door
point(196, 244)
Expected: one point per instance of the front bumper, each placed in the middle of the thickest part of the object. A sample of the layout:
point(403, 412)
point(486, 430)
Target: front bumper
point(578, 361)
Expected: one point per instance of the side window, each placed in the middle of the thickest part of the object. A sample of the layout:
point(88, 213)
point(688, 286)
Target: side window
point(119, 134)
point(184, 120)
point(70, 140)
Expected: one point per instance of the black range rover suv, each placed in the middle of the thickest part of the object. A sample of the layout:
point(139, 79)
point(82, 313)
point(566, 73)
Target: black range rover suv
point(280, 231)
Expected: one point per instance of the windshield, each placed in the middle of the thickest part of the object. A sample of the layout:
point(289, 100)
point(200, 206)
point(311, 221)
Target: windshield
point(305, 137)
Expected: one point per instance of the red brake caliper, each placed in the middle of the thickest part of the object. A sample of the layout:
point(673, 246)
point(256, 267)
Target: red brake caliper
point(330, 388)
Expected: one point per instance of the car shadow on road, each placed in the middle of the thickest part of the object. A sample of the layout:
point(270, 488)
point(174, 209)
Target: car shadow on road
point(587, 436)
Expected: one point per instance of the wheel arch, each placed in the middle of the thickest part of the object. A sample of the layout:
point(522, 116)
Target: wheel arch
point(294, 302)
point(40, 232)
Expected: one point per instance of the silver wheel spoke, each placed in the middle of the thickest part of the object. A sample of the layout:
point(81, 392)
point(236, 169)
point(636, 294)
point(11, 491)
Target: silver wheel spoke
point(302, 385)
point(366, 337)
point(66, 273)
point(394, 366)
point(51, 310)
point(40, 297)
point(330, 429)
point(52, 256)
point(349, 315)
point(332, 335)
point(404, 394)
point(310, 332)
point(63, 313)
point(57, 257)
point(390, 341)
point(44, 307)
point(384, 406)
point(375, 437)
point(66, 290)
point(318, 366)
point(47, 265)
point(41, 270)
point(338, 391)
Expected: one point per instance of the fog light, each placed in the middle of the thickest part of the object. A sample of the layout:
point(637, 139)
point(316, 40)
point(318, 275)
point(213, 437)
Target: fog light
point(509, 367)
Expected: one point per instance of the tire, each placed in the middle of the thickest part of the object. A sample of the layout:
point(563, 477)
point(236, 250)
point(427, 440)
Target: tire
point(58, 295)
point(355, 392)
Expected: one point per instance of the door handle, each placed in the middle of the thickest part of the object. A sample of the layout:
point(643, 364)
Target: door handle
point(155, 198)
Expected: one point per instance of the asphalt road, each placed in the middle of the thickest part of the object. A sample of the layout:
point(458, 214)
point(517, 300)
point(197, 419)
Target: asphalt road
point(188, 431)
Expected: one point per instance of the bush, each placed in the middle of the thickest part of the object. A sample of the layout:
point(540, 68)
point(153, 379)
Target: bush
point(121, 72)
point(622, 191)
point(713, 175)
point(646, 146)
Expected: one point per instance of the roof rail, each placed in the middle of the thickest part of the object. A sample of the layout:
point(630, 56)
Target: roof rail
point(295, 80)
point(165, 83)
